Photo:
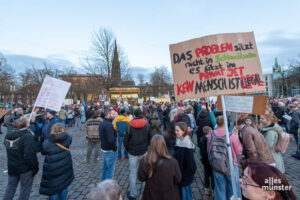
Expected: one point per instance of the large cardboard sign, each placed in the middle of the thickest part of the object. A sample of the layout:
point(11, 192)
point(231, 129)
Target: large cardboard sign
point(215, 65)
point(2, 113)
point(52, 93)
point(258, 108)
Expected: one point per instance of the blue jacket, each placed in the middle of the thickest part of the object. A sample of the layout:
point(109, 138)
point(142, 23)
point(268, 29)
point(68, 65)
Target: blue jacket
point(46, 130)
point(108, 135)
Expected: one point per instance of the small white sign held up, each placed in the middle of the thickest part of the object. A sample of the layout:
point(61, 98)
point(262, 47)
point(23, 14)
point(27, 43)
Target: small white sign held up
point(239, 104)
point(52, 93)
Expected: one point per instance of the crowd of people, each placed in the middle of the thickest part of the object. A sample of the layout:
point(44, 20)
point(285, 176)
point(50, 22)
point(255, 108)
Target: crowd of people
point(157, 139)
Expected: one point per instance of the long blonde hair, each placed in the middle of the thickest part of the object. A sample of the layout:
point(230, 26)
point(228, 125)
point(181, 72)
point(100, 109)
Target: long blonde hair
point(157, 151)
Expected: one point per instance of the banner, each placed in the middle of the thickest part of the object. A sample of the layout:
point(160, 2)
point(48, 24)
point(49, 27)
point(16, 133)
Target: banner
point(215, 65)
point(52, 93)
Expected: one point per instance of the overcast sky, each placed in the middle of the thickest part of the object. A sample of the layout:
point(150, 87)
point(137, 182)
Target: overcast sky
point(62, 29)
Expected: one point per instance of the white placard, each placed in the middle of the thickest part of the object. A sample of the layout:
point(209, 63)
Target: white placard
point(241, 104)
point(52, 93)
point(106, 103)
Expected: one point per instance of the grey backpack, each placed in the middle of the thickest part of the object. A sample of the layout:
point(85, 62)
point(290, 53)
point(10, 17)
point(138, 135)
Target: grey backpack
point(218, 155)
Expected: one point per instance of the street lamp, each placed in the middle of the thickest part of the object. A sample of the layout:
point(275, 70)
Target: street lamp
point(12, 90)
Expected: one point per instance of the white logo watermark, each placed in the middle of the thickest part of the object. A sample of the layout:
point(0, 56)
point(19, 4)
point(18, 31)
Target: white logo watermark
point(275, 185)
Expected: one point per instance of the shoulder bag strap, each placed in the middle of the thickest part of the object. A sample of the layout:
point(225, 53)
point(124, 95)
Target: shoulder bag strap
point(63, 147)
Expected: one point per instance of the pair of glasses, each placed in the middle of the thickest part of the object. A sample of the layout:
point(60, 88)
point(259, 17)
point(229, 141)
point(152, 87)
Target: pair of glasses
point(246, 182)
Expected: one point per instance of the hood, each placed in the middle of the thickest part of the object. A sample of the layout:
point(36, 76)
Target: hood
point(185, 142)
point(16, 134)
point(58, 137)
point(121, 118)
point(274, 127)
point(138, 123)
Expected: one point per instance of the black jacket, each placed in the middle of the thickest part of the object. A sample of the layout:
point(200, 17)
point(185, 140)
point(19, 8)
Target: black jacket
point(202, 120)
point(295, 122)
point(108, 135)
point(187, 164)
point(137, 137)
point(37, 136)
point(203, 147)
point(21, 156)
point(58, 168)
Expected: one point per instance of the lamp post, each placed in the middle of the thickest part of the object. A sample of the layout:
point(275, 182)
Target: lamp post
point(12, 90)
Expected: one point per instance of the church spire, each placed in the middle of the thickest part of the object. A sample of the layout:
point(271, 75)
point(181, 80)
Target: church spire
point(116, 71)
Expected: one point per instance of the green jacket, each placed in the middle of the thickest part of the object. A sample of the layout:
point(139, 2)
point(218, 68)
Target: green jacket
point(271, 135)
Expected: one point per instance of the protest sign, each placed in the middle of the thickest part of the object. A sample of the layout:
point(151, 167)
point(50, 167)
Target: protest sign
point(215, 65)
point(52, 93)
point(2, 113)
point(241, 104)
point(140, 100)
point(102, 97)
point(258, 108)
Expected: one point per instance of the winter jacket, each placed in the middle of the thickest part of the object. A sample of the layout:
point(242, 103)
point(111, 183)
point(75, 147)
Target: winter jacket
point(295, 122)
point(120, 124)
point(108, 135)
point(170, 144)
point(162, 184)
point(137, 137)
point(202, 120)
point(203, 147)
point(76, 112)
point(21, 156)
point(58, 168)
point(92, 129)
point(156, 126)
point(46, 129)
point(255, 146)
point(166, 113)
point(184, 154)
point(37, 133)
point(160, 114)
point(236, 147)
point(271, 135)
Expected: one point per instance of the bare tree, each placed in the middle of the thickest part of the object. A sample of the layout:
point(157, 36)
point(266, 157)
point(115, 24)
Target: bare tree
point(141, 78)
point(100, 58)
point(7, 77)
point(161, 81)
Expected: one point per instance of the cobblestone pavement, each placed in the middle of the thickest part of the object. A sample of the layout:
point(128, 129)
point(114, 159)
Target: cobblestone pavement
point(88, 175)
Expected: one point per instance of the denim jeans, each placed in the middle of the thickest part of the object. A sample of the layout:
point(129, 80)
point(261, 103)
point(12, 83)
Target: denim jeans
point(120, 143)
point(26, 180)
point(61, 196)
point(186, 192)
point(91, 146)
point(77, 122)
point(109, 164)
point(133, 167)
point(223, 184)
